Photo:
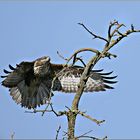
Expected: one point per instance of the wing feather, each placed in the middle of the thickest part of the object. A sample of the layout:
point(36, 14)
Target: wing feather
point(69, 79)
point(5, 71)
point(17, 75)
point(34, 95)
point(11, 67)
point(16, 95)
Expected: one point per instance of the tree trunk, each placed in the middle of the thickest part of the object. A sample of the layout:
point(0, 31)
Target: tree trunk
point(71, 125)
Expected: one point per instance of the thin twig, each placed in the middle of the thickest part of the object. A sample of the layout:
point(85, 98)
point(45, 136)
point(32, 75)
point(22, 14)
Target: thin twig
point(61, 56)
point(93, 138)
point(95, 36)
point(37, 111)
point(91, 118)
point(90, 137)
point(57, 132)
point(110, 27)
point(47, 106)
point(60, 113)
point(84, 134)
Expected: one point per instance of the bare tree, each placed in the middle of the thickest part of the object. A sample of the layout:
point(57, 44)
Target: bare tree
point(114, 37)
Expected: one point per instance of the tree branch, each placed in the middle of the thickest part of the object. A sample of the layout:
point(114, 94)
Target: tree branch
point(91, 118)
point(60, 113)
point(79, 51)
point(94, 35)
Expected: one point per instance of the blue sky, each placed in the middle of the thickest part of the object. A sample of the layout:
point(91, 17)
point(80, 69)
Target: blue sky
point(29, 30)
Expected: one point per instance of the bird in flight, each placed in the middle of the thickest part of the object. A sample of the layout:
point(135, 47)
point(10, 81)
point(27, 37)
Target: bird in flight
point(31, 83)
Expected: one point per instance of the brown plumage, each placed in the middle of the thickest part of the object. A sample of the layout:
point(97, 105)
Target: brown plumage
point(30, 82)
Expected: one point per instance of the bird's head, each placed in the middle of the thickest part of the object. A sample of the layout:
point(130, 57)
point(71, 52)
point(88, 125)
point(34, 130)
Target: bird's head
point(42, 66)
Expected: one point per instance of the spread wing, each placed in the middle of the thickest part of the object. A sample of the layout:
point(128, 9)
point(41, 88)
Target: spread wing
point(69, 79)
point(24, 87)
point(31, 91)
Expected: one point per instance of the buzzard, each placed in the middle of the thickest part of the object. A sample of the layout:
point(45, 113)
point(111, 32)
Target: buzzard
point(31, 83)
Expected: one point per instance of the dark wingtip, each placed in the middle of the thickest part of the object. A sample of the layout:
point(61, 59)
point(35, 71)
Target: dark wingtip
point(113, 77)
point(5, 71)
point(109, 82)
point(11, 67)
point(108, 87)
point(3, 76)
point(106, 73)
point(98, 70)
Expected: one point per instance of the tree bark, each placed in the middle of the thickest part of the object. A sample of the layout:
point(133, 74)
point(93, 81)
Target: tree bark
point(71, 125)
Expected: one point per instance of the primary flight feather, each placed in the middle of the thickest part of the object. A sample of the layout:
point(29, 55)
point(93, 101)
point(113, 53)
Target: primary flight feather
point(30, 83)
